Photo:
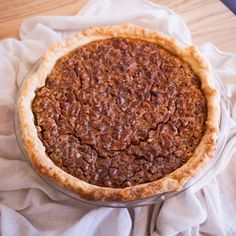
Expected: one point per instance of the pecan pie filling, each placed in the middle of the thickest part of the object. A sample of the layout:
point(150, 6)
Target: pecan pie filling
point(120, 112)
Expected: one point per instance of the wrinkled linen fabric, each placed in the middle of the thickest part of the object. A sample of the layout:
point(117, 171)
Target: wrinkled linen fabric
point(29, 206)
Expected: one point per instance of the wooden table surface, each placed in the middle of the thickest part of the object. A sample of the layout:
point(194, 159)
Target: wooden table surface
point(208, 20)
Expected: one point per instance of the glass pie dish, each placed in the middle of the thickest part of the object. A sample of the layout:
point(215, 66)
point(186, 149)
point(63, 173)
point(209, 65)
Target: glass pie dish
point(224, 127)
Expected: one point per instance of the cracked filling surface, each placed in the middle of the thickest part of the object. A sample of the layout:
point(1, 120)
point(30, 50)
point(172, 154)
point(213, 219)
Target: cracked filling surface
point(120, 112)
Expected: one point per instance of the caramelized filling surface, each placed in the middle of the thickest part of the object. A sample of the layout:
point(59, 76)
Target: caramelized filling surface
point(120, 112)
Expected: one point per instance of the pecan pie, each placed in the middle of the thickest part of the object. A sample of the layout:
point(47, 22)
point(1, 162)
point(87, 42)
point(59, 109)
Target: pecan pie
point(119, 113)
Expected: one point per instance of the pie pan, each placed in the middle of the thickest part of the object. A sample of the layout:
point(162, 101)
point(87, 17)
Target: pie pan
point(223, 131)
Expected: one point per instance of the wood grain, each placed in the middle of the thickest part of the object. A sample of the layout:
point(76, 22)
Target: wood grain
point(208, 20)
point(14, 12)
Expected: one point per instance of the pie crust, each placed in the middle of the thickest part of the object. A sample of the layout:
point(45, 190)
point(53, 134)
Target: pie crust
point(171, 182)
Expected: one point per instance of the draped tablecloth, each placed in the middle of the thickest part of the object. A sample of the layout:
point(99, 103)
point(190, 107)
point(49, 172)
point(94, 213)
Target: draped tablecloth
point(29, 206)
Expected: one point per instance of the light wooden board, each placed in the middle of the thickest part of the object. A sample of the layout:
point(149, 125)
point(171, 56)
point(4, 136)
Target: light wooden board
point(208, 20)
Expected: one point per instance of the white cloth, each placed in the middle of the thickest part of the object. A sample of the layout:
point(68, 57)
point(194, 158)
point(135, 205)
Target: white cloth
point(28, 206)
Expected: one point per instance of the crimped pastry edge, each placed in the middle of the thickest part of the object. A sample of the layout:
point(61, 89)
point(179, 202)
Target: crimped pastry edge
point(173, 181)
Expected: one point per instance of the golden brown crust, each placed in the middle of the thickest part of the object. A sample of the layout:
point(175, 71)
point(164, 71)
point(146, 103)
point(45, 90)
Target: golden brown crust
point(173, 181)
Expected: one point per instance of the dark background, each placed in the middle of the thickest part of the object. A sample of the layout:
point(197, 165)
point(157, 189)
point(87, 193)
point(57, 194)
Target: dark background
point(231, 4)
